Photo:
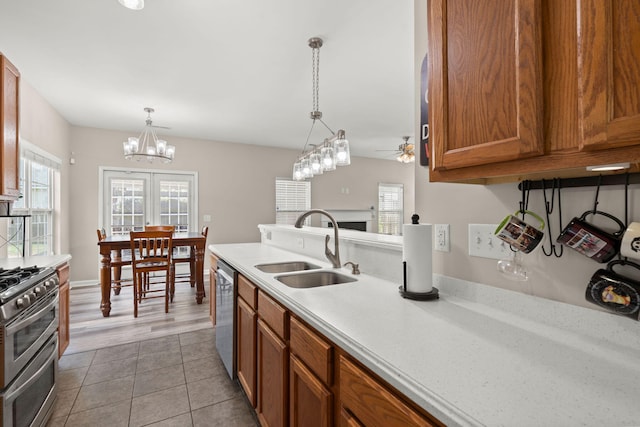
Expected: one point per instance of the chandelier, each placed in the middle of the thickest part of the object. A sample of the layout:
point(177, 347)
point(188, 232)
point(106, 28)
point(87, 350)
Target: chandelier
point(334, 151)
point(147, 145)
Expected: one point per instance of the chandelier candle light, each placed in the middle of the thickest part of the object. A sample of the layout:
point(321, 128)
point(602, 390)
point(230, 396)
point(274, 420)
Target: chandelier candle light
point(147, 145)
point(334, 151)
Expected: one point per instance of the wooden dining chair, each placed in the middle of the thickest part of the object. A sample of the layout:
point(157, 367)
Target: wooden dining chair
point(190, 258)
point(118, 260)
point(151, 251)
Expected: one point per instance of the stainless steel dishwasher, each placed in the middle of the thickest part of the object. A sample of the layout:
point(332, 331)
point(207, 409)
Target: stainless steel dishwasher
point(226, 315)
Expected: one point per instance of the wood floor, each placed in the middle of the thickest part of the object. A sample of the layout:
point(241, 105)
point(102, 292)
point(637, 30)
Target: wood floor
point(89, 330)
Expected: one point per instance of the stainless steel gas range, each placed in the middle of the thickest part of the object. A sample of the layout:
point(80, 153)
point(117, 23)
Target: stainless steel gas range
point(28, 345)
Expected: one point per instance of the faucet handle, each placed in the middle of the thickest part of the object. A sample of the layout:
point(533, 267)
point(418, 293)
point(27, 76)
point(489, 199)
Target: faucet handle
point(354, 267)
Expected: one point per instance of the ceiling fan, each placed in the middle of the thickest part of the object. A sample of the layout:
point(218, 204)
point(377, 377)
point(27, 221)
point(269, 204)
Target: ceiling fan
point(405, 152)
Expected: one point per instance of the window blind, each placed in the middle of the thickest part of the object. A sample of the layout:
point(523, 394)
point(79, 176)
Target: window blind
point(390, 208)
point(292, 199)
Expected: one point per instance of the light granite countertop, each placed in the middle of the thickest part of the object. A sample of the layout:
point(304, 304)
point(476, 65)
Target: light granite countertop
point(478, 356)
point(40, 261)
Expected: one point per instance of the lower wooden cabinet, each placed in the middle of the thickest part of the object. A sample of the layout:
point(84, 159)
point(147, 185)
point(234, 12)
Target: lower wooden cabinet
point(273, 384)
point(63, 311)
point(293, 376)
point(213, 262)
point(246, 353)
point(310, 401)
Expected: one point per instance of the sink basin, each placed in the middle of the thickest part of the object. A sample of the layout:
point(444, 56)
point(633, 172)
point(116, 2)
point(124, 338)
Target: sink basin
point(285, 267)
point(314, 279)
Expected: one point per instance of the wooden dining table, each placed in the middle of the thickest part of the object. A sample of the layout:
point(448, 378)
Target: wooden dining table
point(113, 246)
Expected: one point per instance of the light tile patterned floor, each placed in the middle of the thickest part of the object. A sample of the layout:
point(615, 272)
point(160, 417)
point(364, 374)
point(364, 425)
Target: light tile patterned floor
point(176, 380)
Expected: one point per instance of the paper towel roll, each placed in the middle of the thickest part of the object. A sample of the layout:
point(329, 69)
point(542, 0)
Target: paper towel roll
point(416, 252)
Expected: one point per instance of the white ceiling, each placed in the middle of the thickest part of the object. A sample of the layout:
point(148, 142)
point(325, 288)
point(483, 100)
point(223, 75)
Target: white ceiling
point(224, 70)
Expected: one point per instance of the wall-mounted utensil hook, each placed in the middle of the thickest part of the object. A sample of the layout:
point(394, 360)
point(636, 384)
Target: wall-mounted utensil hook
point(595, 202)
point(524, 203)
point(548, 207)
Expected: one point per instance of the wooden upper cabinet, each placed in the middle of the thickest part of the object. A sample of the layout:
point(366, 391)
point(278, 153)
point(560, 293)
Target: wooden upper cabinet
point(485, 81)
point(9, 130)
point(609, 73)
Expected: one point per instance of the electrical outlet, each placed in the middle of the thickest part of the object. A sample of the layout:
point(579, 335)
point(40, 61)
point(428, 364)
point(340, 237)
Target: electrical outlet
point(484, 243)
point(441, 241)
point(206, 218)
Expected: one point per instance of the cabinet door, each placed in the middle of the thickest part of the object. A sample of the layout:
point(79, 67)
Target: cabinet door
point(63, 309)
point(311, 403)
point(246, 341)
point(609, 70)
point(212, 295)
point(485, 81)
point(9, 130)
point(273, 378)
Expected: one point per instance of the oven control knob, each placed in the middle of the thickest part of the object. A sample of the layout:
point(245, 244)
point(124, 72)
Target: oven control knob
point(39, 290)
point(20, 303)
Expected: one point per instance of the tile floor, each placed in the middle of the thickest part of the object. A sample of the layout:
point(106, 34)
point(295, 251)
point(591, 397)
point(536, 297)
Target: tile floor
point(176, 380)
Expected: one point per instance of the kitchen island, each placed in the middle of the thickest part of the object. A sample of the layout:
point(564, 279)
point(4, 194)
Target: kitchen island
point(477, 356)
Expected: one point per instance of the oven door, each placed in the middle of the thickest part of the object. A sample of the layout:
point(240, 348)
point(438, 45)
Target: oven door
point(29, 399)
point(25, 334)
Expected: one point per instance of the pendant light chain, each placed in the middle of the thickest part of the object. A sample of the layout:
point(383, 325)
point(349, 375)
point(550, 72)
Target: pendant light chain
point(315, 67)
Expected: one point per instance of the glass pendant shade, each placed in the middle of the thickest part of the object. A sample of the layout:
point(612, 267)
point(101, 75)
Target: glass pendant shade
point(316, 163)
point(341, 147)
point(328, 158)
point(297, 171)
point(306, 168)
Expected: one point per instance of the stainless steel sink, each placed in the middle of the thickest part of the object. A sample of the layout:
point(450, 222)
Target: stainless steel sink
point(314, 279)
point(285, 267)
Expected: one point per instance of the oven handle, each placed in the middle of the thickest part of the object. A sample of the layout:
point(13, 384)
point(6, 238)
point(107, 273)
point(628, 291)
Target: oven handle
point(27, 317)
point(35, 376)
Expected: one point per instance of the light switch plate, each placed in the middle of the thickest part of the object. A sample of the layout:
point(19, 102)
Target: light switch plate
point(483, 242)
point(441, 241)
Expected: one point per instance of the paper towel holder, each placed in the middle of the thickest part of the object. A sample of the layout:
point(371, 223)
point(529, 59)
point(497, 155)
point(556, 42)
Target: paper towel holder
point(418, 296)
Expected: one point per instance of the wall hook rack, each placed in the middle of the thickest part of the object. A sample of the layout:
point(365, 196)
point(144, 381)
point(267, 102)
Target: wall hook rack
point(588, 181)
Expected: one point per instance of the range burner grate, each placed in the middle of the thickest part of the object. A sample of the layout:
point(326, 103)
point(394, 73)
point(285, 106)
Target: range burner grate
point(13, 276)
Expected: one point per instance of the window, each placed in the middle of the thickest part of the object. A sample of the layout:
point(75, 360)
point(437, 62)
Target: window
point(38, 171)
point(133, 199)
point(390, 208)
point(292, 199)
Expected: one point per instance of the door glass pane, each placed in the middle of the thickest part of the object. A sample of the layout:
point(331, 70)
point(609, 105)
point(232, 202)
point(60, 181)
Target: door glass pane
point(127, 205)
point(174, 204)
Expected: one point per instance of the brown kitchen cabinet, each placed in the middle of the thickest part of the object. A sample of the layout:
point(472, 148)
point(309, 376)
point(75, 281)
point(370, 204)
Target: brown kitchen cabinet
point(246, 333)
point(311, 375)
point(63, 311)
point(9, 130)
point(531, 89)
point(213, 262)
point(288, 372)
point(273, 363)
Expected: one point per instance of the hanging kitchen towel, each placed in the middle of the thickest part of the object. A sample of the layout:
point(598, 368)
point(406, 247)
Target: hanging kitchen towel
point(416, 252)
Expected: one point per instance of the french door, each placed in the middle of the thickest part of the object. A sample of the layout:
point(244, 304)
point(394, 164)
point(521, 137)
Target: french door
point(132, 199)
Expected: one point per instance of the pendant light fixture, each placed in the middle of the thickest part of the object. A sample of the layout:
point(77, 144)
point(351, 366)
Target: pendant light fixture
point(334, 151)
point(147, 146)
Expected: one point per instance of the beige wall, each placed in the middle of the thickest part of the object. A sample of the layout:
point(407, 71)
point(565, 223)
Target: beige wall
point(562, 279)
point(41, 125)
